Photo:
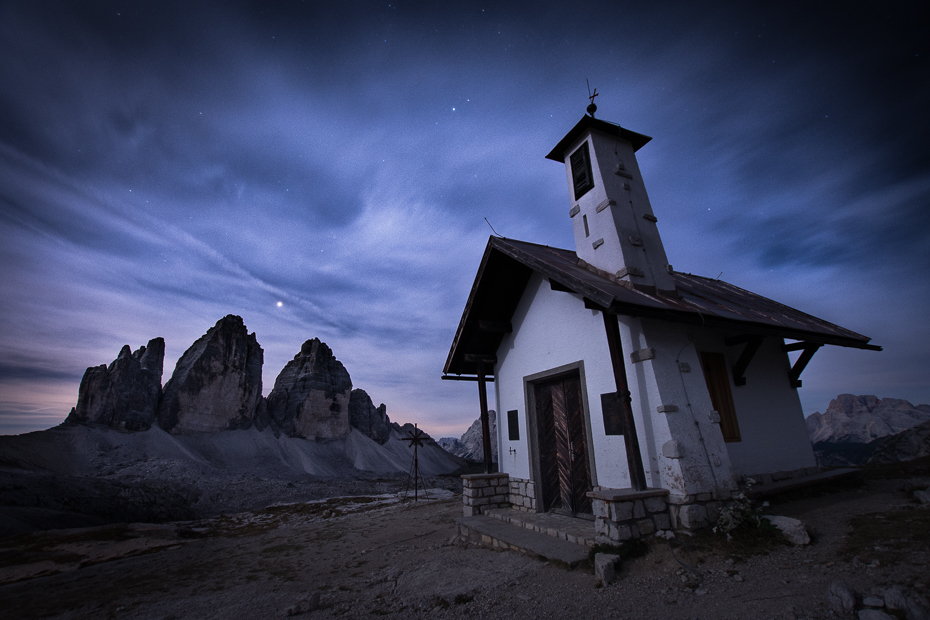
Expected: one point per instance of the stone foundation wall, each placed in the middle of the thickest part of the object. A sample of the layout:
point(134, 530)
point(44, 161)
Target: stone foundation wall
point(483, 492)
point(623, 514)
point(692, 512)
point(523, 495)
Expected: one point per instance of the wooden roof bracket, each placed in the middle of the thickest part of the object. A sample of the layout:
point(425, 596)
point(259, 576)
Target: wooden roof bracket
point(807, 352)
point(753, 342)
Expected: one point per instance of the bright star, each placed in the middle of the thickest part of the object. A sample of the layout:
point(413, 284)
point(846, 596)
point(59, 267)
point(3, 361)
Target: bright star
point(280, 303)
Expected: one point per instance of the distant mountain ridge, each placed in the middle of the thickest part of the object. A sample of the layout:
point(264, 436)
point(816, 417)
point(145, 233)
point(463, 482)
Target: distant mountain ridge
point(861, 419)
point(471, 444)
point(853, 428)
point(217, 387)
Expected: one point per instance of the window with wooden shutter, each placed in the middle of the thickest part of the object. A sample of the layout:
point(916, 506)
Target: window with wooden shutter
point(717, 378)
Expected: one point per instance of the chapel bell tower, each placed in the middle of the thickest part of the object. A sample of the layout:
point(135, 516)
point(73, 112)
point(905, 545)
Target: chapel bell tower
point(615, 229)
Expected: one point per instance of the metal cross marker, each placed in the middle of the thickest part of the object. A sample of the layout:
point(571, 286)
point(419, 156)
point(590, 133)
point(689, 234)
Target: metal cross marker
point(416, 439)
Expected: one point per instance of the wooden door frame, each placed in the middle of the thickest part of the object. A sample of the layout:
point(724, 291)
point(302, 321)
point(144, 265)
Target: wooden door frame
point(529, 393)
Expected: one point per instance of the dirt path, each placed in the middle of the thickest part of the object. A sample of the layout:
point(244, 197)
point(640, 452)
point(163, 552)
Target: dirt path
point(367, 557)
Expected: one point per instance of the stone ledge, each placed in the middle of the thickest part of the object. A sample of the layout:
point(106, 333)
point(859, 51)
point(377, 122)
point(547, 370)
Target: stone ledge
point(470, 477)
point(625, 495)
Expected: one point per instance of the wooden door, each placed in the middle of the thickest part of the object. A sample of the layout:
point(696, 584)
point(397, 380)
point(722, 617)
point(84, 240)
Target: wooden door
point(565, 473)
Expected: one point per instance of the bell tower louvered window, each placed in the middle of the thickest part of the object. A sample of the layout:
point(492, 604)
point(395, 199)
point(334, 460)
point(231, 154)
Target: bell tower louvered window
point(582, 178)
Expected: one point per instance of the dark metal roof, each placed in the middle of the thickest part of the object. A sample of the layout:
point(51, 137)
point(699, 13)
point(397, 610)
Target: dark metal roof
point(507, 265)
point(589, 122)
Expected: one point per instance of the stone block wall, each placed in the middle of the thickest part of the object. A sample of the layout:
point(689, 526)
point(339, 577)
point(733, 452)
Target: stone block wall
point(779, 476)
point(623, 514)
point(523, 495)
point(484, 492)
point(693, 512)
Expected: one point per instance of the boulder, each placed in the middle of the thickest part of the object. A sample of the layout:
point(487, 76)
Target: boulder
point(841, 597)
point(792, 529)
point(125, 394)
point(371, 421)
point(217, 383)
point(605, 566)
point(311, 395)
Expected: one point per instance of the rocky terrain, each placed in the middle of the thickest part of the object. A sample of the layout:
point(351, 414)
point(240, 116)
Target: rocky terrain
point(471, 445)
point(208, 442)
point(854, 427)
point(372, 556)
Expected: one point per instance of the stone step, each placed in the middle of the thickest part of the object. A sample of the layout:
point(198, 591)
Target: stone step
point(503, 535)
point(571, 529)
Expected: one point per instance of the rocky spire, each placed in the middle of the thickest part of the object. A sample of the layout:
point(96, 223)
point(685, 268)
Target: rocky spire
point(217, 383)
point(311, 395)
point(364, 416)
point(125, 394)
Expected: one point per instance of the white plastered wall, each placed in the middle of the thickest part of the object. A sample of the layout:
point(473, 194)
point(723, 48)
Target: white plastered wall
point(553, 329)
point(773, 435)
point(672, 404)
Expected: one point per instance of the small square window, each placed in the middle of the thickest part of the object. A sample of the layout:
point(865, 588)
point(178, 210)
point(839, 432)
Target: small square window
point(582, 178)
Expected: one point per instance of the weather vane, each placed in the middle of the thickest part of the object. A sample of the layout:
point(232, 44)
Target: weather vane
point(416, 439)
point(592, 108)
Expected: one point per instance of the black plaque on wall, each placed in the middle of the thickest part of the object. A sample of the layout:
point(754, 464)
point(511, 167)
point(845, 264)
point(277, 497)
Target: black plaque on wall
point(613, 414)
point(513, 425)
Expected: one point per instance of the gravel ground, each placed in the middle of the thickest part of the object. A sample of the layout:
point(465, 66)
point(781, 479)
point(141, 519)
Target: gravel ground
point(370, 556)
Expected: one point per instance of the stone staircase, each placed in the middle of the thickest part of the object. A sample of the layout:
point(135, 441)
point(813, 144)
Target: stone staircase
point(542, 535)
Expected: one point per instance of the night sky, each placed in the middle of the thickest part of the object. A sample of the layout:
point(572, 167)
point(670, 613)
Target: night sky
point(324, 170)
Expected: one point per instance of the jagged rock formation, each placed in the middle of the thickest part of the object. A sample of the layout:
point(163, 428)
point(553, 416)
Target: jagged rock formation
point(371, 421)
point(861, 419)
point(125, 394)
point(217, 383)
point(904, 446)
point(311, 395)
point(216, 386)
point(854, 427)
point(471, 445)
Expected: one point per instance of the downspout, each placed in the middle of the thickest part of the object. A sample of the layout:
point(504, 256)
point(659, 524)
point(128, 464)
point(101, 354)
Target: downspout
point(630, 439)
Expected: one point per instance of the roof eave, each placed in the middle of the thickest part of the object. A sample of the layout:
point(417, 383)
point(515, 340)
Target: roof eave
point(638, 140)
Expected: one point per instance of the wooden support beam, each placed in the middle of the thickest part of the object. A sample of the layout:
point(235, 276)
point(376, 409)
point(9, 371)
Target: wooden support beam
point(489, 360)
point(634, 457)
point(464, 378)
point(558, 286)
point(732, 341)
point(753, 342)
point(495, 327)
point(794, 375)
point(797, 346)
point(485, 423)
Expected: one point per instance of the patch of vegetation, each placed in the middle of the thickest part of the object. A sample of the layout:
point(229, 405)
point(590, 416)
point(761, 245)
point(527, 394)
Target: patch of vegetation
point(915, 468)
point(827, 487)
point(888, 537)
point(745, 541)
